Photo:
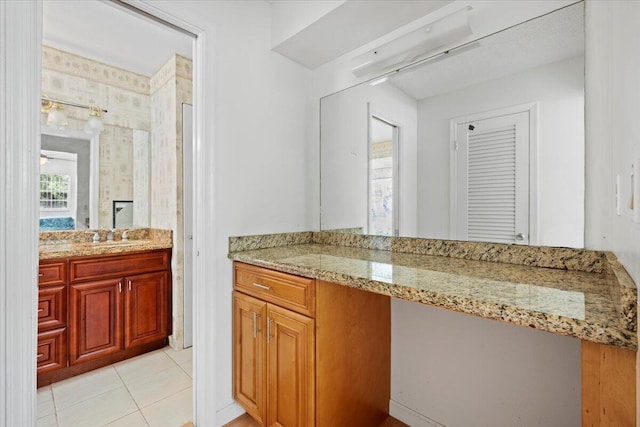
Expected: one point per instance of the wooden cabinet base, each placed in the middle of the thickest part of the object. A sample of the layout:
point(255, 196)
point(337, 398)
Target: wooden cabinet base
point(64, 373)
point(608, 386)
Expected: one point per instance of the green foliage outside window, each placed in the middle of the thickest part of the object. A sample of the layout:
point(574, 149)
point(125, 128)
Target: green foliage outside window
point(54, 191)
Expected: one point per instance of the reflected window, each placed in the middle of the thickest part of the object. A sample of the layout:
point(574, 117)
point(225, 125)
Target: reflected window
point(54, 191)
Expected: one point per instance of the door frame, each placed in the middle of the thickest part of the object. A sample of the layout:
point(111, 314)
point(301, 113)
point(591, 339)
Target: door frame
point(532, 109)
point(372, 113)
point(21, 47)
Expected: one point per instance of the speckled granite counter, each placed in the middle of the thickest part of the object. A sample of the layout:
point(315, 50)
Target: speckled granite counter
point(63, 244)
point(568, 301)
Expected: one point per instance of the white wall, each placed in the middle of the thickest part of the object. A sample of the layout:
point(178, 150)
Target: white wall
point(613, 64)
point(460, 370)
point(558, 89)
point(254, 155)
point(345, 153)
point(613, 140)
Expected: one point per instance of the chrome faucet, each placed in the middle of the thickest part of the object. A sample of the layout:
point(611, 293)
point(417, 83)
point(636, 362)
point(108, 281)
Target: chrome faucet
point(110, 235)
point(96, 236)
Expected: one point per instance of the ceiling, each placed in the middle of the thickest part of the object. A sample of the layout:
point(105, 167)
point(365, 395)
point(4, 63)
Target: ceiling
point(351, 25)
point(551, 38)
point(107, 33)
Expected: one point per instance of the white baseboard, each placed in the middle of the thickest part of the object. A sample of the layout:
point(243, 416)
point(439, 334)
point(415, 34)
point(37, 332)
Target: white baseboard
point(228, 413)
point(411, 417)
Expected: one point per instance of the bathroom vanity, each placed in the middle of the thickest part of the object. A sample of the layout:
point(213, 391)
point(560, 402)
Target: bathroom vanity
point(331, 291)
point(99, 303)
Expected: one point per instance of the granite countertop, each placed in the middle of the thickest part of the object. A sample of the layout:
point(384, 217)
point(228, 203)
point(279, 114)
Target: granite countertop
point(563, 301)
point(63, 244)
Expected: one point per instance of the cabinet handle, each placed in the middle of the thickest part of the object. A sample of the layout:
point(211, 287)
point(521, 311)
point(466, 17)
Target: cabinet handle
point(40, 309)
point(261, 286)
point(269, 320)
point(255, 324)
point(40, 355)
point(129, 284)
point(40, 274)
point(120, 287)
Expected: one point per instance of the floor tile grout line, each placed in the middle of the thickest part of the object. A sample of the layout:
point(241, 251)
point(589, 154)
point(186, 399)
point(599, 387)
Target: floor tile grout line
point(125, 416)
point(126, 386)
point(87, 398)
point(155, 373)
point(162, 370)
point(166, 397)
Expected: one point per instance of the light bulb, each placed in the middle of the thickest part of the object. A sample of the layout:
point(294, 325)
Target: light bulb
point(56, 117)
point(94, 125)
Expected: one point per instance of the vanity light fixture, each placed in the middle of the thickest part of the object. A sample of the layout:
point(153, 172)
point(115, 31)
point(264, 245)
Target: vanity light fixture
point(57, 118)
point(94, 124)
point(412, 46)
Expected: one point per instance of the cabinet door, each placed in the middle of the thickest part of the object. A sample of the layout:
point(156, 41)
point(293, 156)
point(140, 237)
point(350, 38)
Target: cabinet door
point(52, 350)
point(291, 374)
point(146, 308)
point(52, 307)
point(95, 318)
point(249, 381)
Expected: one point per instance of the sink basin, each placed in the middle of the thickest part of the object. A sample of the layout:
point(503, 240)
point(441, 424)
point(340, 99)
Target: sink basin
point(54, 242)
point(117, 243)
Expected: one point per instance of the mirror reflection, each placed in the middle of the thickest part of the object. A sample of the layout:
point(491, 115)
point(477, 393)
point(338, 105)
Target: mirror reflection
point(80, 179)
point(488, 141)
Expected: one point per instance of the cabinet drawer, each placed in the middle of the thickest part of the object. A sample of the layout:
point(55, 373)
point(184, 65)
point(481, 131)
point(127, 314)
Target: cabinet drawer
point(52, 307)
point(286, 290)
point(118, 266)
point(52, 273)
point(52, 350)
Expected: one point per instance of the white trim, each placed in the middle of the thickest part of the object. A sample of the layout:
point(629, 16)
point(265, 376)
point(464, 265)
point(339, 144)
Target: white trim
point(410, 417)
point(532, 109)
point(229, 413)
point(94, 166)
point(204, 221)
point(397, 147)
point(20, 48)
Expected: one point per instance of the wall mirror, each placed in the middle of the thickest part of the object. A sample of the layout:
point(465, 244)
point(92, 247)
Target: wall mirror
point(483, 143)
point(80, 179)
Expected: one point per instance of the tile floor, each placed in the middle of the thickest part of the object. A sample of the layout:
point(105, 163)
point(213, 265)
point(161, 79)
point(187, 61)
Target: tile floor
point(152, 390)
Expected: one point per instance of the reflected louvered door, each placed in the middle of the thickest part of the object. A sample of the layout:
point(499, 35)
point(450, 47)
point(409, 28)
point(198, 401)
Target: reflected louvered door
point(493, 180)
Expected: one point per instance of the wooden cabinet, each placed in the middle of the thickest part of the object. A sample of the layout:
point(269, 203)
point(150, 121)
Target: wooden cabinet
point(95, 313)
point(309, 353)
point(119, 306)
point(249, 354)
point(146, 308)
point(290, 368)
point(52, 316)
